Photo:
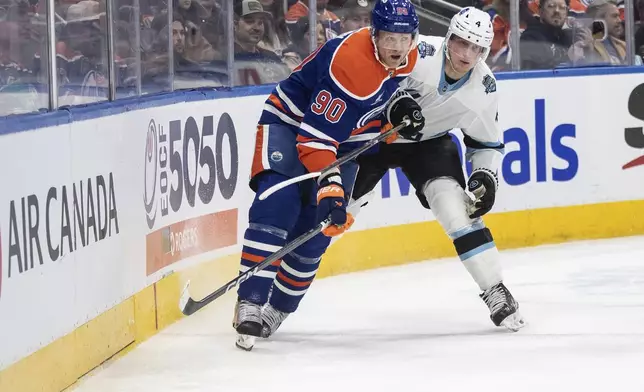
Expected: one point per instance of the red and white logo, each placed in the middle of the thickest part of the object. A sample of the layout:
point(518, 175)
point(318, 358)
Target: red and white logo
point(401, 11)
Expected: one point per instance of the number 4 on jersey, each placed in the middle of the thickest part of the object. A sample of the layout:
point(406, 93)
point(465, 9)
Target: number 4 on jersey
point(333, 109)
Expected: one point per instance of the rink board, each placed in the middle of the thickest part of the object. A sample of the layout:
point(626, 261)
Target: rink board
point(107, 210)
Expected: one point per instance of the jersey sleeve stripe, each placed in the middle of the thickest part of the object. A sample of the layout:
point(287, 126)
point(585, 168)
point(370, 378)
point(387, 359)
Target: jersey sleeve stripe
point(281, 115)
point(317, 133)
point(291, 106)
point(279, 104)
point(319, 146)
point(275, 101)
point(305, 139)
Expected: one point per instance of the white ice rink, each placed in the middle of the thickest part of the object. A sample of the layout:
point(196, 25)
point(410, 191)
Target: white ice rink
point(421, 327)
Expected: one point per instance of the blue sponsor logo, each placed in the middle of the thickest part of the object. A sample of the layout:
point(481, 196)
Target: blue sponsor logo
point(527, 155)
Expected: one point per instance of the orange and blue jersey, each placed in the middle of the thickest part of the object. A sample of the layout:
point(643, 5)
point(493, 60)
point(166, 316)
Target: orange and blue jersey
point(336, 96)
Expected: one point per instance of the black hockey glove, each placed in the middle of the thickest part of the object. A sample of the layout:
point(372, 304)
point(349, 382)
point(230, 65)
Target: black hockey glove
point(482, 184)
point(332, 204)
point(402, 106)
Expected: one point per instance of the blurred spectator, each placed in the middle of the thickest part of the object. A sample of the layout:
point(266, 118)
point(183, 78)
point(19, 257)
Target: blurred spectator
point(10, 44)
point(23, 83)
point(254, 65)
point(354, 15)
point(203, 22)
point(81, 54)
point(155, 66)
point(333, 5)
point(213, 24)
point(197, 49)
point(576, 8)
point(190, 10)
point(276, 37)
point(250, 19)
point(329, 20)
point(499, 10)
point(546, 44)
point(607, 48)
point(82, 32)
point(639, 34)
point(294, 54)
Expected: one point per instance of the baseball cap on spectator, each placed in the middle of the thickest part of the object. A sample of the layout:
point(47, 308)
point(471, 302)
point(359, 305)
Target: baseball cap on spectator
point(249, 7)
point(84, 11)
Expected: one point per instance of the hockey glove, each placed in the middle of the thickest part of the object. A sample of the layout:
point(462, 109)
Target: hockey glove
point(332, 204)
point(482, 184)
point(403, 106)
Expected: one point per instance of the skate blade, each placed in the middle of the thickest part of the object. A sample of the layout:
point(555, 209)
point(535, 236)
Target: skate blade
point(245, 342)
point(514, 322)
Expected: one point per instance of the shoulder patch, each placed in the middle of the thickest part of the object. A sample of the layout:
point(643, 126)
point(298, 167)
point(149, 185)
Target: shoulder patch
point(425, 49)
point(490, 84)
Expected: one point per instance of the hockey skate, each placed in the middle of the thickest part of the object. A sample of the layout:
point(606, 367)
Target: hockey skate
point(247, 321)
point(271, 320)
point(504, 310)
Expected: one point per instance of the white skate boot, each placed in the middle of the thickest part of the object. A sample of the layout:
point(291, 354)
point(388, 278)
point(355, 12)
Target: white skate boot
point(504, 310)
point(248, 323)
point(271, 320)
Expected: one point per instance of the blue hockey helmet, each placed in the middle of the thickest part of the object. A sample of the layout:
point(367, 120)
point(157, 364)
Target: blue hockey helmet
point(395, 16)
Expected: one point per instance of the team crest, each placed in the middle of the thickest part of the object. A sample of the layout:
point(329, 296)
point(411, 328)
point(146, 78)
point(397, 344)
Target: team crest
point(489, 83)
point(425, 49)
point(401, 11)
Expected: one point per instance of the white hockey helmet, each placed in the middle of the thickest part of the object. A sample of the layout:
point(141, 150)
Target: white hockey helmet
point(472, 25)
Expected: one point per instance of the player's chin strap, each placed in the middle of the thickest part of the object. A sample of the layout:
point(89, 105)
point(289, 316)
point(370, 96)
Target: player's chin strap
point(350, 156)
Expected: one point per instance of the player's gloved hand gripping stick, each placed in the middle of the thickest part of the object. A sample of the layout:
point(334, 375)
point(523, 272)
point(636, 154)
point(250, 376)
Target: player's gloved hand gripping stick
point(341, 161)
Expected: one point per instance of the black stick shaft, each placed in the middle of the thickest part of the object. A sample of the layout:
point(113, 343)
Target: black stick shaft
point(192, 306)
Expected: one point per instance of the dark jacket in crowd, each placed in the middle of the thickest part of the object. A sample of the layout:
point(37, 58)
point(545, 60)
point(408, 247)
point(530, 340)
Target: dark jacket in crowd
point(639, 40)
point(544, 46)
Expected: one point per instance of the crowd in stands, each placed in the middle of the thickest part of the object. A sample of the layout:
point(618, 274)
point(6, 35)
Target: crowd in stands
point(564, 33)
point(271, 37)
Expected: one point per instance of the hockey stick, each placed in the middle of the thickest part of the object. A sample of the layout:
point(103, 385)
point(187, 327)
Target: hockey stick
point(341, 161)
point(189, 306)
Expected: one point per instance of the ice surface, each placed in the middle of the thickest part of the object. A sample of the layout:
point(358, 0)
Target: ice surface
point(421, 327)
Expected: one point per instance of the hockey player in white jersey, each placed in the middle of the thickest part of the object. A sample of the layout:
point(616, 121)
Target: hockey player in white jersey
point(455, 89)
